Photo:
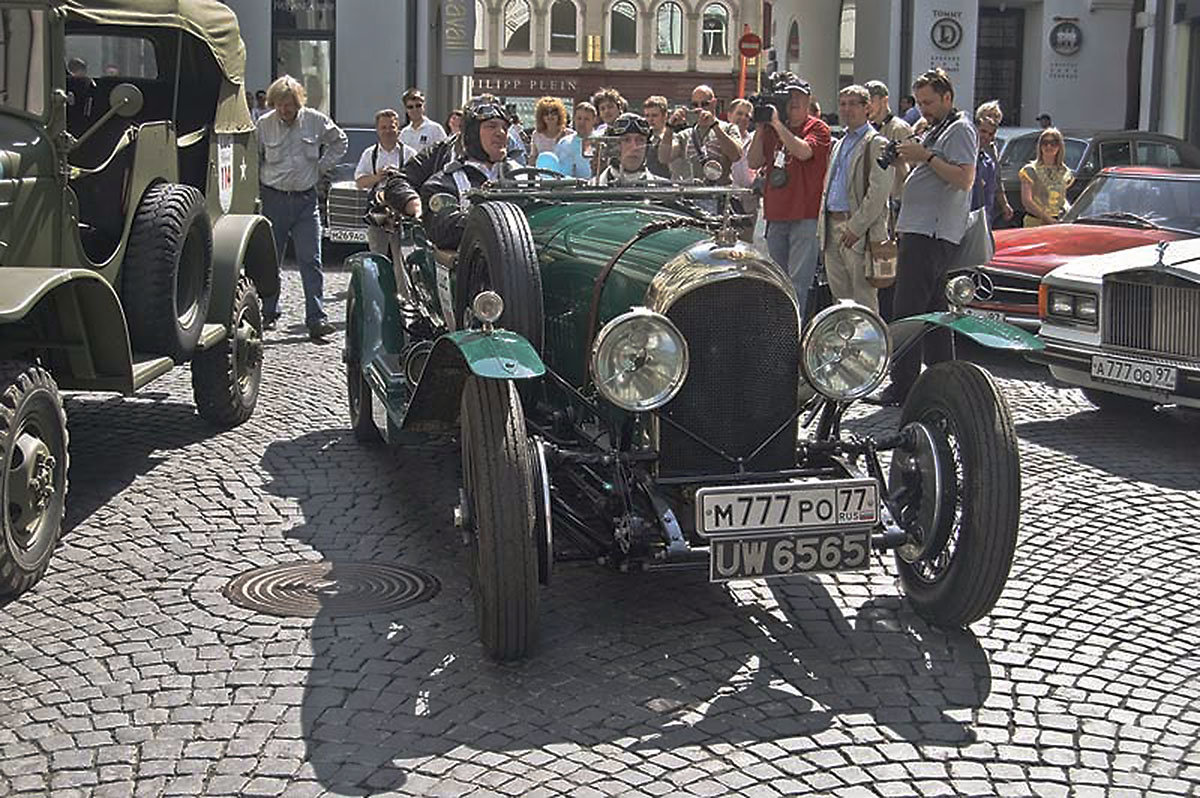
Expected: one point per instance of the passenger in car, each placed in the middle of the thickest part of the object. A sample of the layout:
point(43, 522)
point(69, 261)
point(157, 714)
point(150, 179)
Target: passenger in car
point(485, 152)
point(628, 134)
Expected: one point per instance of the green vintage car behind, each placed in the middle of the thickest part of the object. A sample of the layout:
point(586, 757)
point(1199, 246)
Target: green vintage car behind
point(632, 386)
point(130, 240)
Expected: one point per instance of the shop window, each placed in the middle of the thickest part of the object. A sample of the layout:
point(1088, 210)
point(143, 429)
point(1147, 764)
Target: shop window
point(481, 21)
point(562, 27)
point(622, 36)
point(516, 26)
point(303, 45)
point(304, 15)
point(670, 29)
point(715, 28)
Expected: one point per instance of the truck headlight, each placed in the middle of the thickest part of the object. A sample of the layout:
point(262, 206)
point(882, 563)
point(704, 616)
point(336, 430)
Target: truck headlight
point(844, 352)
point(639, 360)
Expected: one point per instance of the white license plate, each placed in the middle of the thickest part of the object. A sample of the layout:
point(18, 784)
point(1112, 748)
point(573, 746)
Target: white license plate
point(767, 556)
point(1134, 372)
point(340, 235)
point(994, 315)
point(787, 506)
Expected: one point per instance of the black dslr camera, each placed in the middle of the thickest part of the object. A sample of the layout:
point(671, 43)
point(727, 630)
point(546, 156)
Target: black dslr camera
point(889, 155)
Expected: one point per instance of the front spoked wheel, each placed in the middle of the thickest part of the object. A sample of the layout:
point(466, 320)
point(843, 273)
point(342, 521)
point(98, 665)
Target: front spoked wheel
point(971, 469)
point(499, 514)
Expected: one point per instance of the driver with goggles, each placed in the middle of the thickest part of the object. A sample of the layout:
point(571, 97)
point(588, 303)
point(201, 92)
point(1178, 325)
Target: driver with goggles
point(485, 153)
point(625, 143)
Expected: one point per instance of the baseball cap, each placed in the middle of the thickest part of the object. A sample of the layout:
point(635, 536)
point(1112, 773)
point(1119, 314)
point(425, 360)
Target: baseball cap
point(876, 88)
point(790, 82)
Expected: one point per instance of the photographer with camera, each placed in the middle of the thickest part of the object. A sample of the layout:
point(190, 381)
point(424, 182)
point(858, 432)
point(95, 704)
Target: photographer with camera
point(708, 147)
point(378, 163)
point(795, 155)
point(854, 205)
point(933, 219)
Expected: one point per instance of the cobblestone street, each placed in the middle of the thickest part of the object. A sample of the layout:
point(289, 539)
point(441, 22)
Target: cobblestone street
point(128, 671)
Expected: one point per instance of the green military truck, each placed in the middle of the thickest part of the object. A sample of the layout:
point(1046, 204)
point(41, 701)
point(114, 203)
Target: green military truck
point(130, 238)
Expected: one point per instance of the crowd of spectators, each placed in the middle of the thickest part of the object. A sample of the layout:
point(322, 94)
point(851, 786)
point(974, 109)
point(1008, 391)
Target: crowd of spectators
point(883, 205)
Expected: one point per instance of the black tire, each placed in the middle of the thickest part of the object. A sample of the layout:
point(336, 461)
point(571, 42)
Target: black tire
point(497, 252)
point(33, 483)
point(166, 278)
point(961, 583)
point(1116, 402)
point(358, 393)
point(226, 378)
point(500, 514)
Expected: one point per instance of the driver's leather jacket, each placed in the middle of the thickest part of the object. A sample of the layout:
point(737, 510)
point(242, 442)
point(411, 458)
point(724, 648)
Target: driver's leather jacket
point(445, 227)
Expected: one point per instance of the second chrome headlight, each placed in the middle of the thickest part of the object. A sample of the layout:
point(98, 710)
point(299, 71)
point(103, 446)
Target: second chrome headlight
point(639, 360)
point(845, 351)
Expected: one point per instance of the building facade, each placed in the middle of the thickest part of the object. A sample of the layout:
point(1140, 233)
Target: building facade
point(526, 49)
point(1090, 64)
point(353, 56)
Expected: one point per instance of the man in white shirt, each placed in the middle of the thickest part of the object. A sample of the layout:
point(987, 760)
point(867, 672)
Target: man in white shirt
point(296, 144)
point(420, 132)
point(379, 162)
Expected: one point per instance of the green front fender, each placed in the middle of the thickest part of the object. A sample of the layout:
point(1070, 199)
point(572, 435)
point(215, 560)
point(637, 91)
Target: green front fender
point(242, 242)
point(986, 332)
point(495, 355)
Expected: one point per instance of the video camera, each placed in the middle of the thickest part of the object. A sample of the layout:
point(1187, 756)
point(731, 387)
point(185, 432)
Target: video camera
point(777, 91)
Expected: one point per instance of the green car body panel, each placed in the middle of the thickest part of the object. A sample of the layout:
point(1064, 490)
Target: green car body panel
point(42, 177)
point(985, 332)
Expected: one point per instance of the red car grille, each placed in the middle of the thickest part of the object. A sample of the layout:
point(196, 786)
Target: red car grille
point(1154, 313)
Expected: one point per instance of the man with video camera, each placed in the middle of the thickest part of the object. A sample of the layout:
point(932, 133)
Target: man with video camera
point(933, 219)
point(794, 148)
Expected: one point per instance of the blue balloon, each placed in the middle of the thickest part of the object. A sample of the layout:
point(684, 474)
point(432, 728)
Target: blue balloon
point(548, 160)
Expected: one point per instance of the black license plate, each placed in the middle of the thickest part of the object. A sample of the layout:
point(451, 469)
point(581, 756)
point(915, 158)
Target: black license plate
point(766, 556)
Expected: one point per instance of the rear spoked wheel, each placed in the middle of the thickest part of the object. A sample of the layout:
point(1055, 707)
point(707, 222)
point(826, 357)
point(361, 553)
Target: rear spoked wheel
point(967, 505)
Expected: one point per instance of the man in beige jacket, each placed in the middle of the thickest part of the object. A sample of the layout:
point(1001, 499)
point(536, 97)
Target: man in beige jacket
point(849, 215)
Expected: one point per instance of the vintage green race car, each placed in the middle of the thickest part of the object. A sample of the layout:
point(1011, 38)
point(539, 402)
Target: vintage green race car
point(631, 385)
point(130, 238)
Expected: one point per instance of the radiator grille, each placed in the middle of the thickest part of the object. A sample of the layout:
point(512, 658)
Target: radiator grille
point(1156, 314)
point(743, 344)
point(346, 207)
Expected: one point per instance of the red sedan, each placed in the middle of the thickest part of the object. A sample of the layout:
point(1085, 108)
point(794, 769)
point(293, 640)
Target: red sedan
point(1123, 207)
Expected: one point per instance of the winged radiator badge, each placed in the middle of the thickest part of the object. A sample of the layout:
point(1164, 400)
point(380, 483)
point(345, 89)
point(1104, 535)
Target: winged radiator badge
point(1162, 250)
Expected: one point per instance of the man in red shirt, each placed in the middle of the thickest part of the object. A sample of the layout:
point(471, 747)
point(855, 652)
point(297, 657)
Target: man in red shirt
point(795, 156)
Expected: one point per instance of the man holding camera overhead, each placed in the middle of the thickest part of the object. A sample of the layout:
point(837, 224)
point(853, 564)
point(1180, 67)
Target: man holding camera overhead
point(794, 148)
point(933, 219)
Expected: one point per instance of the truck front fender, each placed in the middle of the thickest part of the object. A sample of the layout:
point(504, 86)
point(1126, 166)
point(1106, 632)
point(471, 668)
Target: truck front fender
point(495, 355)
point(72, 319)
point(986, 332)
point(241, 241)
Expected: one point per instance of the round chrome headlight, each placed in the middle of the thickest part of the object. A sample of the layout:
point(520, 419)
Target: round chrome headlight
point(845, 350)
point(639, 360)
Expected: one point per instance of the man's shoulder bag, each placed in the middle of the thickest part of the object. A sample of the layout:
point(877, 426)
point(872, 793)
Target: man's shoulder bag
point(881, 255)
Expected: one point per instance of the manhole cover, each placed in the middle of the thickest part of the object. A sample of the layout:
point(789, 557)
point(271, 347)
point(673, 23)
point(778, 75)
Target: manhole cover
point(307, 589)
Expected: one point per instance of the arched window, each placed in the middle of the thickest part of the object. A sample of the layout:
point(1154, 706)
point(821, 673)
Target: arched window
point(670, 29)
point(714, 27)
point(516, 25)
point(793, 48)
point(562, 27)
point(622, 35)
point(481, 20)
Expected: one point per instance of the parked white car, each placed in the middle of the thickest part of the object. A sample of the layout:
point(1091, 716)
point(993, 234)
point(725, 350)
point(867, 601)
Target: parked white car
point(1125, 326)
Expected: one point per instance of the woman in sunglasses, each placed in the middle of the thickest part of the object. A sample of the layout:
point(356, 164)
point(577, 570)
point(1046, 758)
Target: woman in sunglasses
point(550, 125)
point(1045, 180)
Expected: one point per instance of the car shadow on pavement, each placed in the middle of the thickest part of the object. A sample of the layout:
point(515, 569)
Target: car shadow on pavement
point(114, 440)
point(651, 663)
point(1151, 445)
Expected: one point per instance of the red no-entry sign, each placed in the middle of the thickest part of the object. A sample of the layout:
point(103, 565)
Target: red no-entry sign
point(749, 45)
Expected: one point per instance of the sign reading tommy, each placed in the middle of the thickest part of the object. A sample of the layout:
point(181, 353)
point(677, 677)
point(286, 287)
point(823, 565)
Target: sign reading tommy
point(948, 42)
